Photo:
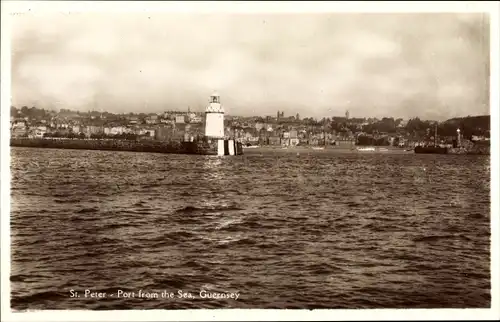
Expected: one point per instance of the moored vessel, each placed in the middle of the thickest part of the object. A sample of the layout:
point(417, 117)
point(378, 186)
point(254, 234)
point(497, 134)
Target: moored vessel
point(431, 149)
point(366, 149)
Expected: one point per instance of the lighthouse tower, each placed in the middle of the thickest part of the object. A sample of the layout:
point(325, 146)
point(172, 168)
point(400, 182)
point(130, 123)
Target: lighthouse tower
point(214, 118)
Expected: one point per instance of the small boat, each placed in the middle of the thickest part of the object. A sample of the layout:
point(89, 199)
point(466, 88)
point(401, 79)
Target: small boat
point(250, 146)
point(383, 149)
point(367, 149)
point(318, 148)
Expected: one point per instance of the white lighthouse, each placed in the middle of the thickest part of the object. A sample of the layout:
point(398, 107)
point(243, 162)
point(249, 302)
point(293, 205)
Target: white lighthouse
point(214, 118)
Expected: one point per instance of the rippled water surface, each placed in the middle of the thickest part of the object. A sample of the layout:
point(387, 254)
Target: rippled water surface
point(284, 230)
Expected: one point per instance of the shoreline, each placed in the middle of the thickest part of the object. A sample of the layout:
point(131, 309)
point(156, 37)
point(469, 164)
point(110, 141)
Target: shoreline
point(311, 149)
point(354, 149)
point(205, 148)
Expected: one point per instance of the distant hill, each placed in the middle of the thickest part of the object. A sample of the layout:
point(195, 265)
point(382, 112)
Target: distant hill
point(470, 125)
point(480, 120)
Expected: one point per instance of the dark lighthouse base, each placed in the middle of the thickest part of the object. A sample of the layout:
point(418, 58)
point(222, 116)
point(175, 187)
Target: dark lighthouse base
point(214, 147)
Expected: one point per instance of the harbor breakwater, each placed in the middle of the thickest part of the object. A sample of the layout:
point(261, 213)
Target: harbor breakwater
point(476, 150)
point(176, 147)
point(472, 150)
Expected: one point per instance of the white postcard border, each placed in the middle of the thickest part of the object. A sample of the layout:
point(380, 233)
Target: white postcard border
point(11, 7)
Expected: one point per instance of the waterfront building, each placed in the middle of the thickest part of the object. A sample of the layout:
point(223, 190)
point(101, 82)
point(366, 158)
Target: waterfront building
point(163, 133)
point(294, 141)
point(152, 119)
point(38, 132)
point(180, 119)
point(274, 140)
point(116, 130)
point(259, 126)
point(195, 119)
point(93, 129)
point(133, 120)
point(18, 129)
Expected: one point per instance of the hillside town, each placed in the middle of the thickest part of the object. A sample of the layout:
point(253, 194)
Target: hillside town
point(276, 130)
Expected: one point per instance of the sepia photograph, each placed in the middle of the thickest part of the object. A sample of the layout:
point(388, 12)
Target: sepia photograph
point(196, 156)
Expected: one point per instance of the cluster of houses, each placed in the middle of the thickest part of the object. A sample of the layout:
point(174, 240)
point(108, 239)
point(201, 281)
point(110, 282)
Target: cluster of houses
point(288, 137)
point(178, 125)
point(93, 124)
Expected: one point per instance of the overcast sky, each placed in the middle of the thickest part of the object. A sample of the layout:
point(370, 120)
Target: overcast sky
point(434, 66)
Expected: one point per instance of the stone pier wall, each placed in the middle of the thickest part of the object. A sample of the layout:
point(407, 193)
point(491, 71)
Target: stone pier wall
point(176, 147)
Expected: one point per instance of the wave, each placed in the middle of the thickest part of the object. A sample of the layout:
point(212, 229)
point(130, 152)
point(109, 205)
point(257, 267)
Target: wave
point(168, 239)
point(195, 264)
point(236, 242)
point(173, 281)
point(152, 185)
point(61, 195)
point(67, 200)
point(438, 237)
point(193, 209)
point(36, 297)
point(475, 215)
point(115, 226)
point(179, 234)
point(87, 210)
point(23, 277)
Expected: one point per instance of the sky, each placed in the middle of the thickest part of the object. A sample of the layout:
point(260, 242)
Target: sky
point(432, 66)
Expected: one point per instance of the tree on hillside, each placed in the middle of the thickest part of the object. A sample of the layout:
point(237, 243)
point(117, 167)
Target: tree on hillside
point(387, 124)
point(13, 111)
point(418, 126)
point(473, 125)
